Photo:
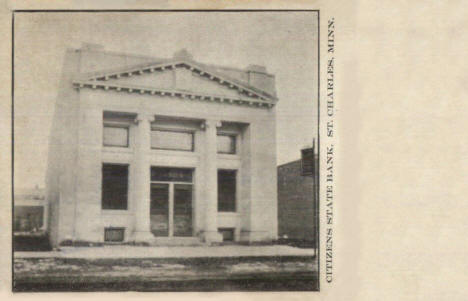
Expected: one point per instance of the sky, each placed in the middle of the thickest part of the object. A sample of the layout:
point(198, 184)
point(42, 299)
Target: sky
point(284, 42)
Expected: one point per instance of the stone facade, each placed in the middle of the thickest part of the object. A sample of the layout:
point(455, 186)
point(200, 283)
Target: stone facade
point(177, 94)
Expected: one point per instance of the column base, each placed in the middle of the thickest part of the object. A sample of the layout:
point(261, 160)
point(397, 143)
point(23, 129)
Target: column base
point(142, 236)
point(212, 237)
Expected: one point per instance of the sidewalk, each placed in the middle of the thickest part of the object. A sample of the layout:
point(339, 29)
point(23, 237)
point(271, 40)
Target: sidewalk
point(169, 252)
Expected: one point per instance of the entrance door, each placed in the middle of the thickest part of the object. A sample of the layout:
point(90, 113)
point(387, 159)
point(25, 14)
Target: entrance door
point(182, 210)
point(159, 209)
point(171, 201)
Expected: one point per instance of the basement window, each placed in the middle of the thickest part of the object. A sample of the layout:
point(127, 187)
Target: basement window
point(114, 186)
point(227, 233)
point(114, 234)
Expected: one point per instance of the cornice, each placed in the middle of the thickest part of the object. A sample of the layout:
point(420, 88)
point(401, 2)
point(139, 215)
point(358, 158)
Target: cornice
point(183, 94)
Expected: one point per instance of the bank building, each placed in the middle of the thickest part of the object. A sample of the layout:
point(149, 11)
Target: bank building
point(162, 151)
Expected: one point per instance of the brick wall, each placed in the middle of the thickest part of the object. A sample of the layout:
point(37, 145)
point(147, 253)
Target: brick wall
point(296, 203)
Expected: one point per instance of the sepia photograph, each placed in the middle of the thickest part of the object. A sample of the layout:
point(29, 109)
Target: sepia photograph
point(165, 151)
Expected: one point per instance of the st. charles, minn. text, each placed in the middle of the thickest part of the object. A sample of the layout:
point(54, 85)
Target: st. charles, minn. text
point(330, 151)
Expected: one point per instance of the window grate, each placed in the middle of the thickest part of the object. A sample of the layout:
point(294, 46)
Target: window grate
point(227, 233)
point(114, 234)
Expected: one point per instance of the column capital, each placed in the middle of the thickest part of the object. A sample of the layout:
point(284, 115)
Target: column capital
point(144, 117)
point(211, 123)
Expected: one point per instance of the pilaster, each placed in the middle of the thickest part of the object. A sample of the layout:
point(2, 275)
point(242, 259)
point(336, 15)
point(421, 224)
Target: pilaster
point(210, 233)
point(142, 231)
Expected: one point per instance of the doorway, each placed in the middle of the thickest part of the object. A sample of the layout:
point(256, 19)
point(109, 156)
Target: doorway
point(171, 202)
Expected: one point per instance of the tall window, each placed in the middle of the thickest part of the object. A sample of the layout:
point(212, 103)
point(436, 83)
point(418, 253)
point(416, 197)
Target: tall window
point(226, 190)
point(226, 144)
point(114, 186)
point(172, 140)
point(115, 136)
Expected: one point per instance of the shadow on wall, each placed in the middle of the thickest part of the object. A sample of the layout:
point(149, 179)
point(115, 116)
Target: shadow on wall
point(31, 242)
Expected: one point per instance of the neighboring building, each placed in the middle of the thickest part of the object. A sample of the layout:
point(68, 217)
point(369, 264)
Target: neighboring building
point(162, 150)
point(30, 210)
point(297, 203)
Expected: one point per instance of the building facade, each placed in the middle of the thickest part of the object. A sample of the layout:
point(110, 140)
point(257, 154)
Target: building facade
point(297, 203)
point(30, 210)
point(161, 150)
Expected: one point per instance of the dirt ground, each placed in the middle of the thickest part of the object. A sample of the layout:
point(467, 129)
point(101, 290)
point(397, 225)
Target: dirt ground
point(166, 274)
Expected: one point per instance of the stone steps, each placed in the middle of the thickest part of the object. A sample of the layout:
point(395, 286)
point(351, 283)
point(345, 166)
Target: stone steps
point(176, 241)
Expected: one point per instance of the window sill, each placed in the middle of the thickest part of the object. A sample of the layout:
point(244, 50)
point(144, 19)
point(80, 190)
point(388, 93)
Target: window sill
point(229, 156)
point(174, 152)
point(116, 212)
point(115, 149)
point(228, 213)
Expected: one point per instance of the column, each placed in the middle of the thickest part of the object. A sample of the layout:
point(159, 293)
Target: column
point(45, 216)
point(171, 210)
point(142, 179)
point(211, 234)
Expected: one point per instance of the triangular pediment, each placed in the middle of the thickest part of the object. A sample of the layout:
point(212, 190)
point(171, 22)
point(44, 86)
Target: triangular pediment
point(181, 75)
point(181, 79)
